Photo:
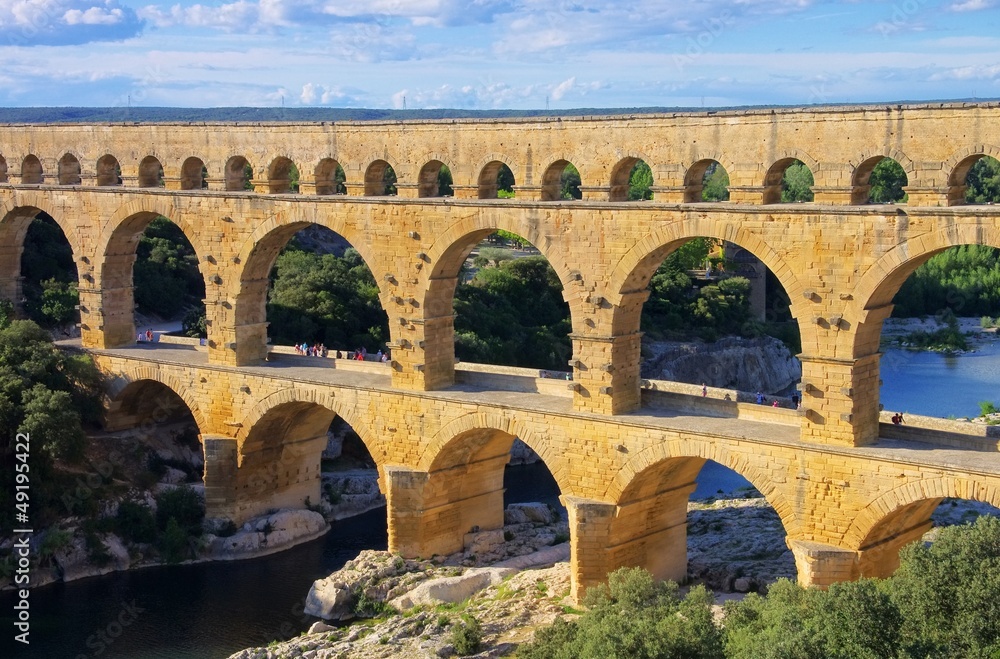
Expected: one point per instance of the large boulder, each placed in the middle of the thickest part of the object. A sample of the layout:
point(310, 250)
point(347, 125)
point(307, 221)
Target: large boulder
point(268, 534)
point(451, 590)
point(375, 574)
point(524, 513)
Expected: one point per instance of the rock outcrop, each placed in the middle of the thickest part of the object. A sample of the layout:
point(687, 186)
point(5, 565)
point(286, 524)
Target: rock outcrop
point(267, 534)
point(762, 363)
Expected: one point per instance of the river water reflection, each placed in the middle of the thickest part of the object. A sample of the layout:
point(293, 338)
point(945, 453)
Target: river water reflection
point(933, 384)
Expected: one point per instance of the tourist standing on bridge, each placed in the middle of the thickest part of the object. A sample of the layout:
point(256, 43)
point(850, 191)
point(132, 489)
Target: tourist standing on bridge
point(760, 398)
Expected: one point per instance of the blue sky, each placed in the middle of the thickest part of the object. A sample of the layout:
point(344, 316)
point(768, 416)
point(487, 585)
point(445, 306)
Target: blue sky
point(487, 54)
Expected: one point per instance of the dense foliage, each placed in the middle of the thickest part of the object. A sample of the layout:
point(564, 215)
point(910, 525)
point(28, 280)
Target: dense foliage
point(796, 184)
point(942, 603)
point(983, 182)
point(633, 617)
point(513, 314)
point(716, 183)
point(50, 286)
point(887, 181)
point(48, 394)
point(166, 274)
point(677, 309)
point(323, 298)
point(965, 279)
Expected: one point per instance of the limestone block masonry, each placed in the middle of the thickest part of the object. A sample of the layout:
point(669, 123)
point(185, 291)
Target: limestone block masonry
point(839, 259)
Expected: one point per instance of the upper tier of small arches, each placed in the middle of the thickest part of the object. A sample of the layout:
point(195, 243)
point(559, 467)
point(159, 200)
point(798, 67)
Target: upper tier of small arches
point(592, 160)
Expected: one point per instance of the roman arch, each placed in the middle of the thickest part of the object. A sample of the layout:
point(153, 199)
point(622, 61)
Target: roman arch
point(623, 470)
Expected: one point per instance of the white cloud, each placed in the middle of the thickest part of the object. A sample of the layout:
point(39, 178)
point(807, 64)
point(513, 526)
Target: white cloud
point(65, 22)
point(972, 5)
point(563, 88)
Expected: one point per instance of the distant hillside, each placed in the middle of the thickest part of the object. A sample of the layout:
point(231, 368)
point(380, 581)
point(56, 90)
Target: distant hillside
point(252, 115)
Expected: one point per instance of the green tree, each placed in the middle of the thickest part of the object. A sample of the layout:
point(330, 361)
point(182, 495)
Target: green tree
point(634, 617)
point(325, 298)
point(640, 182)
point(166, 274)
point(983, 182)
point(49, 394)
point(389, 179)
point(949, 593)
point(964, 279)
point(852, 620)
point(183, 506)
point(887, 181)
point(514, 315)
point(715, 185)
point(796, 184)
point(505, 183)
point(569, 183)
point(49, 274)
point(445, 182)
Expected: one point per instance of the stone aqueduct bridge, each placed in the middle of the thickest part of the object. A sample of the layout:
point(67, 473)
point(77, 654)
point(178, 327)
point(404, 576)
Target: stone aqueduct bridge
point(848, 499)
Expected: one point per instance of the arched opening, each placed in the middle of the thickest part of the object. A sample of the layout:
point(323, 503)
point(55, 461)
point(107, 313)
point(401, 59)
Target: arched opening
point(150, 173)
point(509, 308)
point(472, 492)
point(380, 179)
point(975, 180)
point(917, 521)
point(157, 438)
point(879, 180)
point(239, 174)
point(561, 182)
point(631, 180)
point(31, 171)
point(49, 276)
point(162, 288)
point(349, 473)
point(945, 304)
point(709, 298)
point(3, 170)
point(109, 172)
point(788, 181)
point(303, 284)
point(69, 170)
point(299, 455)
point(330, 177)
point(282, 176)
point(435, 180)
point(687, 516)
point(496, 180)
point(194, 174)
point(706, 180)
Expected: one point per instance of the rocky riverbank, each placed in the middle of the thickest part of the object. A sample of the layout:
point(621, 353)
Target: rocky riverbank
point(424, 609)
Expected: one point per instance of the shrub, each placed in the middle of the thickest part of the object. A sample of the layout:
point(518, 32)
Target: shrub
point(467, 636)
point(634, 616)
point(135, 522)
point(949, 592)
point(184, 506)
point(174, 542)
point(987, 407)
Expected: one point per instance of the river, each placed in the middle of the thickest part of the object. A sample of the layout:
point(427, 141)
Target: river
point(211, 610)
point(935, 384)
